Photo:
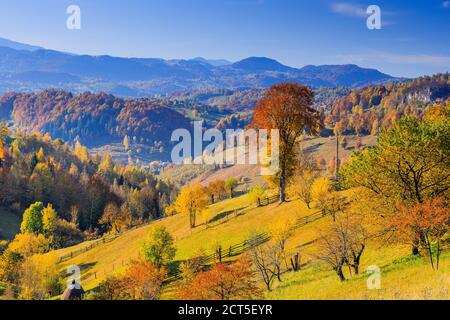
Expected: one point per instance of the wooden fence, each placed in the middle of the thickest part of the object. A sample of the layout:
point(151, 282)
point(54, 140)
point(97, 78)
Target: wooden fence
point(217, 256)
point(268, 200)
point(246, 245)
point(102, 240)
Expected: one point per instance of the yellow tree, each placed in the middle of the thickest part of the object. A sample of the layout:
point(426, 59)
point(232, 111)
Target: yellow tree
point(28, 244)
point(2, 151)
point(39, 277)
point(320, 191)
point(3, 132)
point(192, 200)
point(49, 222)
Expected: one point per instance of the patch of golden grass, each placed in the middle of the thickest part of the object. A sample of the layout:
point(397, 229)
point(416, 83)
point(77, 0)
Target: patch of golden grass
point(403, 277)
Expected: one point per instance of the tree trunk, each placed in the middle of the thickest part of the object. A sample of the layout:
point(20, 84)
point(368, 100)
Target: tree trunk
point(283, 183)
point(340, 273)
point(295, 262)
point(356, 267)
point(279, 273)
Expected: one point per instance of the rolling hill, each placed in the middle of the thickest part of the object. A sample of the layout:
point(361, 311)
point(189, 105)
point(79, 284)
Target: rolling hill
point(94, 119)
point(313, 281)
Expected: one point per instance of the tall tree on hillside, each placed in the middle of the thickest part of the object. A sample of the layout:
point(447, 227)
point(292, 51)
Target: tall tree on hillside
point(230, 185)
point(32, 219)
point(3, 132)
point(288, 108)
point(409, 164)
point(192, 200)
point(159, 250)
point(305, 175)
point(49, 223)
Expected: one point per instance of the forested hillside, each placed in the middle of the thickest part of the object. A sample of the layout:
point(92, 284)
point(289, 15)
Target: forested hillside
point(92, 118)
point(365, 111)
point(86, 192)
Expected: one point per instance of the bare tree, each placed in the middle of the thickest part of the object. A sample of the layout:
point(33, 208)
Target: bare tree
point(263, 265)
point(343, 244)
point(305, 175)
point(335, 204)
point(333, 248)
point(268, 261)
point(358, 237)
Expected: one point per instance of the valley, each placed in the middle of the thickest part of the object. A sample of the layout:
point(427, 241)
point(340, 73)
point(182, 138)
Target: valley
point(357, 208)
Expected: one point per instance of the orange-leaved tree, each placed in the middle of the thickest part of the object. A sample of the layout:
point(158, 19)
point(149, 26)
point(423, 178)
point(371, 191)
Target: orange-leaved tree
point(140, 281)
point(428, 222)
point(3, 132)
point(143, 281)
point(222, 282)
point(289, 108)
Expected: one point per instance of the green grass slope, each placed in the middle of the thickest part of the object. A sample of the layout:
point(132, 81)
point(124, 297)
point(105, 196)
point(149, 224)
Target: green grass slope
point(233, 220)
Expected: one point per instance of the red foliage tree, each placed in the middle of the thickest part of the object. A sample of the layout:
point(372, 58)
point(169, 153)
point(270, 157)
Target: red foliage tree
point(288, 108)
point(222, 282)
point(428, 222)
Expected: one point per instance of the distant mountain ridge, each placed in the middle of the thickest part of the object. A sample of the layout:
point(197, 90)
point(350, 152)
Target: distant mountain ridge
point(17, 45)
point(29, 68)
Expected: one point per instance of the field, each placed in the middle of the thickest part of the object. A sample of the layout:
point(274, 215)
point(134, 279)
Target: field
point(318, 147)
point(232, 221)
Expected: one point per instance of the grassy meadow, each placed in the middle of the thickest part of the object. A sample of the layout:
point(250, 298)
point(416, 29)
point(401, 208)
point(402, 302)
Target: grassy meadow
point(232, 221)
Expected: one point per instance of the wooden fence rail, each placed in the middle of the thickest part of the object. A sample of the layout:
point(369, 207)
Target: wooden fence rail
point(246, 245)
point(220, 253)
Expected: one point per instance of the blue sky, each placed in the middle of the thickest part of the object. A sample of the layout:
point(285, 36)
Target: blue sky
point(414, 39)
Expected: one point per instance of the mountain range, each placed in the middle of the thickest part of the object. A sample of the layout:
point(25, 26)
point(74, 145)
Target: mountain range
point(30, 68)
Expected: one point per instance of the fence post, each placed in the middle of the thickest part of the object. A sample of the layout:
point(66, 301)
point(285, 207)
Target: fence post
point(229, 252)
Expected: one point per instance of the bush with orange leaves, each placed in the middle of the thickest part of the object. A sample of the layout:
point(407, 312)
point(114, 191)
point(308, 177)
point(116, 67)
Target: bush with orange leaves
point(141, 281)
point(428, 222)
point(222, 282)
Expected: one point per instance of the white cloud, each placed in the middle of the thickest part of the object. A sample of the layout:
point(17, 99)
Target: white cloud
point(349, 9)
point(446, 4)
point(395, 58)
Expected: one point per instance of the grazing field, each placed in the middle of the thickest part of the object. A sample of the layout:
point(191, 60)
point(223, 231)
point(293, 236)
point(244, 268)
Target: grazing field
point(318, 147)
point(234, 220)
point(403, 276)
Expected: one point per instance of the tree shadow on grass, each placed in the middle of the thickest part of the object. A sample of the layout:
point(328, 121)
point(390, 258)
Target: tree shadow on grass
point(226, 214)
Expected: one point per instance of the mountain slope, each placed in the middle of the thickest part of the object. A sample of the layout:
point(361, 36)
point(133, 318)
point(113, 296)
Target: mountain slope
point(17, 45)
point(371, 108)
point(92, 118)
point(314, 281)
point(147, 76)
point(349, 75)
point(261, 64)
